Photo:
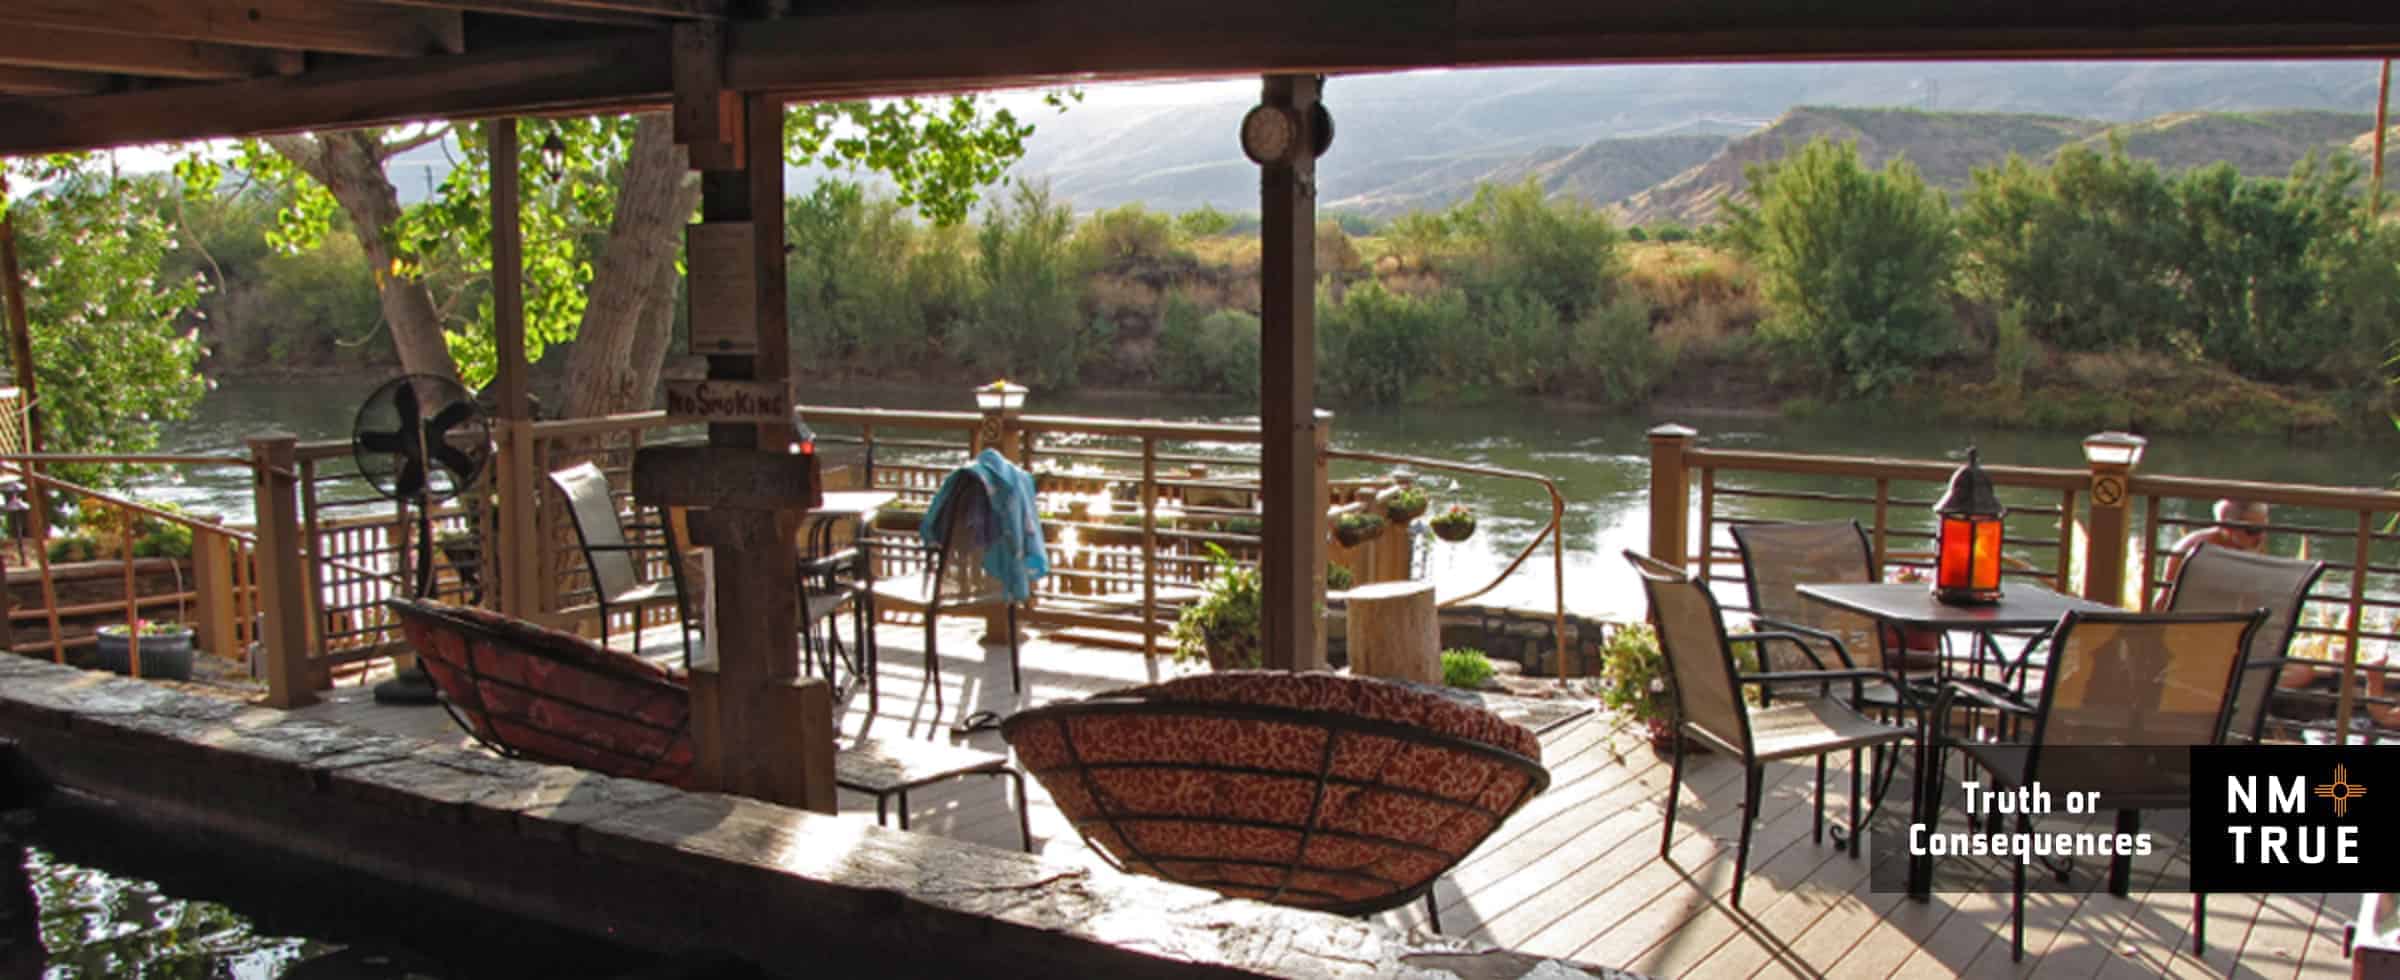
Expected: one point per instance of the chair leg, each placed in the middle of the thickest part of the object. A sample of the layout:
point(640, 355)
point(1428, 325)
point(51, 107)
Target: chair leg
point(863, 612)
point(2120, 868)
point(903, 809)
point(1433, 911)
point(1741, 852)
point(1024, 811)
point(2199, 922)
point(1674, 788)
point(1817, 828)
point(933, 665)
point(1016, 674)
point(1858, 831)
point(2016, 918)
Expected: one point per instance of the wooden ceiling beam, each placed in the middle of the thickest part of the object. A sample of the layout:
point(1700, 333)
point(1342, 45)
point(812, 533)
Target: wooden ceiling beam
point(901, 45)
point(91, 51)
point(547, 10)
point(621, 74)
point(44, 81)
point(339, 26)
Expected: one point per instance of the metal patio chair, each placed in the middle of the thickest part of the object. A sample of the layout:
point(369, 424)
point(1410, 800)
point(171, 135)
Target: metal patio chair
point(2133, 680)
point(1707, 690)
point(1776, 560)
point(526, 691)
point(2214, 579)
point(948, 579)
point(617, 581)
point(1349, 795)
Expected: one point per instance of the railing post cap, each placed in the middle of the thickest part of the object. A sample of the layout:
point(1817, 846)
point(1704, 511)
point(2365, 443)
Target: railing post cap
point(1672, 430)
point(270, 437)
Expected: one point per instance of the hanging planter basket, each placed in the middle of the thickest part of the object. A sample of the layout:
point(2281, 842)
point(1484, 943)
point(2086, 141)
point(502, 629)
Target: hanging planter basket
point(1454, 525)
point(1357, 528)
point(1402, 503)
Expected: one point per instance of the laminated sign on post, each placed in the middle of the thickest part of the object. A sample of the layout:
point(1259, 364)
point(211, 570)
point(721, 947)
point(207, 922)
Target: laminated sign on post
point(722, 293)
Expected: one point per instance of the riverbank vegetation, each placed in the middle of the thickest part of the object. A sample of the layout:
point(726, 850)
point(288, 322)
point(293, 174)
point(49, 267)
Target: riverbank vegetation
point(2092, 290)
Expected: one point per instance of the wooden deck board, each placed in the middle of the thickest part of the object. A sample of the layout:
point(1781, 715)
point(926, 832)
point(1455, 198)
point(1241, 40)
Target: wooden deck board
point(1578, 873)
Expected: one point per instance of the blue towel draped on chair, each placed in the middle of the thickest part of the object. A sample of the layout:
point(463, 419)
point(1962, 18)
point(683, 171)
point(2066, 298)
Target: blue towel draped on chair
point(1010, 530)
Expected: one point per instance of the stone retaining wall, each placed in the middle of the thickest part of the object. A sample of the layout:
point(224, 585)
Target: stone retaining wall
point(655, 868)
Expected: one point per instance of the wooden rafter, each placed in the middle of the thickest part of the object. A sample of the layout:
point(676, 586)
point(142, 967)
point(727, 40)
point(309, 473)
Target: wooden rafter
point(338, 26)
point(599, 11)
point(92, 51)
point(623, 74)
point(44, 81)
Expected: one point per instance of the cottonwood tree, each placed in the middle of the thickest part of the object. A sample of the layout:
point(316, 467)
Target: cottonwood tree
point(603, 215)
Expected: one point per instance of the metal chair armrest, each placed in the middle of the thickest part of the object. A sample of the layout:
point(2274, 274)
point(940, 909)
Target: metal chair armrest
point(1793, 638)
point(1839, 648)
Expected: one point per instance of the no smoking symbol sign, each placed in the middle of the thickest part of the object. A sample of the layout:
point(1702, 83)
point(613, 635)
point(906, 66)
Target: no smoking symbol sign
point(2108, 491)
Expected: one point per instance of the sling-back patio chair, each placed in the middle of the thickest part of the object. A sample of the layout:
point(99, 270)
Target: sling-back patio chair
point(2214, 579)
point(2158, 680)
point(949, 578)
point(1707, 690)
point(1350, 795)
point(617, 580)
point(526, 691)
point(1779, 558)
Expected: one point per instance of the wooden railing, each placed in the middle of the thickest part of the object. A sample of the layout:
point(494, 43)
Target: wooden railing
point(211, 590)
point(2049, 536)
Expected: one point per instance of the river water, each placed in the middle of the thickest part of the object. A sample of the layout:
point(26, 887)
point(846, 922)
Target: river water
point(1599, 459)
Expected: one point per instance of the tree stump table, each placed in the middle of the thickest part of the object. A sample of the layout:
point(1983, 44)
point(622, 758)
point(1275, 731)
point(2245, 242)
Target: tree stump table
point(1395, 632)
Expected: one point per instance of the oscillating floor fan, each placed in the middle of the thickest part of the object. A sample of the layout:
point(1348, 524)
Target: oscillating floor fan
point(419, 439)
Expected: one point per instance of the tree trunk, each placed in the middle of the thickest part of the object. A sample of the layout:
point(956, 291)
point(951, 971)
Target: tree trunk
point(622, 343)
point(350, 165)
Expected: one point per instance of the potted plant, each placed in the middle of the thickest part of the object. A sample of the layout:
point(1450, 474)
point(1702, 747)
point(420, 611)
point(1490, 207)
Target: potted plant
point(1357, 527)
point(1634, 682)
point(1456, 523)
point(1402, 502)
point(1338, 577)
point(166, 649)
point(1222, 626)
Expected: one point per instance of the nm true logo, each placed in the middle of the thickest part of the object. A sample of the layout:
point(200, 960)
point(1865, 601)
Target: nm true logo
point(2287, 818)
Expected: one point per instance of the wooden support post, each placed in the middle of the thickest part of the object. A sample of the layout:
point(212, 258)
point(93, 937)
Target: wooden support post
point(2104, 550)
point(282, 579)
point(513, 559)
point(218, 606)
point(1671, 496)
point(2383, 105)
point(20, 356)
point(753, 734)
point(1292, 570)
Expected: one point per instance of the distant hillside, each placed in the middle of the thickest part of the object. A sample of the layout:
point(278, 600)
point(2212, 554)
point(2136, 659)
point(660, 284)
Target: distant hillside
point(1411, 139)
point(1948, 147)
point(1603, 170)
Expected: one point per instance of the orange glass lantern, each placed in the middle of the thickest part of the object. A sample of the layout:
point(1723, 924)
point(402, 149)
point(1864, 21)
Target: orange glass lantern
point(1966, 568)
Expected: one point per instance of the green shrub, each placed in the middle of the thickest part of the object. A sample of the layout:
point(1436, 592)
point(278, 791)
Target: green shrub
point(1854, 262)
point(1374, 345)
point(1207, 351)
point(2086, 248)
point(1560, 250)
point(861, 281)
point(1613, 354)
point(1129, 234)
point(1338, 577)
point(1467, 668)
point(76, 547)
point(1204, 221)
point(1025, 319)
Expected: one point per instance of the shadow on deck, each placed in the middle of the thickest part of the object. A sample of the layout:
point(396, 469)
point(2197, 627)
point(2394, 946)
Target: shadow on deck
point(1577, 873)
